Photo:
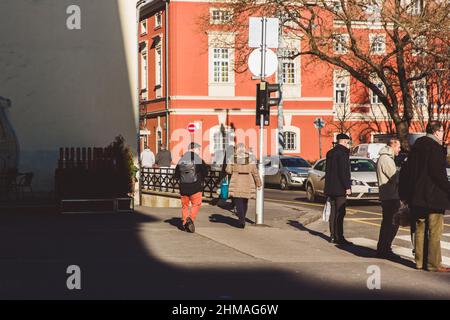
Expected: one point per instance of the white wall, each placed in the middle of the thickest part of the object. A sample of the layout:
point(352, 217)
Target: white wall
point(67, 87)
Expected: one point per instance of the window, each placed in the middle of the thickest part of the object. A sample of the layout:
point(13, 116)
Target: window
point(221, 64)
point(340, 92)
point(144, 69)
point(158, 66)
point(220, 16)
point(419, 46)
point(289, 67)
point(295, 162)
point(377, 43)
point(373, 10)
point(320, 166)
point(158, 20)
point(340, 43)
point(374, 99)
point(144, 27)
point(290, 140)
point(414, 7)
point(337, 6)
point(420, 92)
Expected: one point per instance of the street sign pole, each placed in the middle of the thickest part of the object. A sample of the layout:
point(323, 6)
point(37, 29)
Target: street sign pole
point(260, 192)
point(281, 141)
point(319, 123)
point(320, 143)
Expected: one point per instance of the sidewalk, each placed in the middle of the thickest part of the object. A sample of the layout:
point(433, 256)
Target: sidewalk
point(145, 255)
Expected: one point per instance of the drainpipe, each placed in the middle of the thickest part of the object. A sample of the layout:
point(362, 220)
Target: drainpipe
point(166, 40)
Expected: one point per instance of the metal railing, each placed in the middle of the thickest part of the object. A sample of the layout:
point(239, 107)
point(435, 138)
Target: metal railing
point(163, 180)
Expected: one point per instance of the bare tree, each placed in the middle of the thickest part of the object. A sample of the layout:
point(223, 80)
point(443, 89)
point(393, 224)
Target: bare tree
point(403, 28)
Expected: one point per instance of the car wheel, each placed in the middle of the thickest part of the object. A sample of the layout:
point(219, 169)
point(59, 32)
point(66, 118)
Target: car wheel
point(283, 183)
point(310, 196)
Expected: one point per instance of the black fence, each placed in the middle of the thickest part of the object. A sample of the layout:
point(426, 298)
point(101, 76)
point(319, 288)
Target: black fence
point(163, 180)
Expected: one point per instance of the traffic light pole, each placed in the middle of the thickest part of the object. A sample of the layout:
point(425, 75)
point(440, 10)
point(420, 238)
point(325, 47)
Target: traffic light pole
point(260, 191)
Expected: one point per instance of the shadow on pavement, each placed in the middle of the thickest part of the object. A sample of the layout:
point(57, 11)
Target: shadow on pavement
point(359, 251)
point(234, 222)
point(114, 253)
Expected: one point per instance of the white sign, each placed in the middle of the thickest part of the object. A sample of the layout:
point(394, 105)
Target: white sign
point(255, 36)
point(254, 62)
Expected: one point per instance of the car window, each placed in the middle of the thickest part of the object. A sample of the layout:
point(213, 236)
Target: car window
point(295, 162)
point(362, 165)
point(320, 166)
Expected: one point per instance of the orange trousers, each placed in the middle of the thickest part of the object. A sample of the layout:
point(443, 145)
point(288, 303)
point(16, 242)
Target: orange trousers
point(196, 200)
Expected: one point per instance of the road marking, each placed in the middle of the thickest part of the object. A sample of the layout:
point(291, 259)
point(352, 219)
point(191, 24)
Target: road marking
point(402, 251)
point(359, 219)
point(444, 244)
point(374, 224)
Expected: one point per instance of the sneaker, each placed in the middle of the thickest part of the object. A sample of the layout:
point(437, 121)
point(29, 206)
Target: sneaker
point(190, 227)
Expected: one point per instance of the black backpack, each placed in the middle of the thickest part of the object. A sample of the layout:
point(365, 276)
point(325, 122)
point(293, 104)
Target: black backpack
point(187, 168)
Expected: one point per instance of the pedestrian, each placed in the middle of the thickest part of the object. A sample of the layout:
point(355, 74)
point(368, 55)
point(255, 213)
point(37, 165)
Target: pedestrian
point(387, 176)
point(244, 181)
point(163, 157)
point(338, 186)
point(426, 189)
point(191, 171)
point(147, 158)
point(163, 161)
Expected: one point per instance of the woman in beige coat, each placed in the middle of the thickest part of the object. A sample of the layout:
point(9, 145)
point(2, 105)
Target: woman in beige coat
point(244, 181)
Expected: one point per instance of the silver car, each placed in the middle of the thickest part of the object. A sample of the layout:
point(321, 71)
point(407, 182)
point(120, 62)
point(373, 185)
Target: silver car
point(286, 171)
point(363, 175)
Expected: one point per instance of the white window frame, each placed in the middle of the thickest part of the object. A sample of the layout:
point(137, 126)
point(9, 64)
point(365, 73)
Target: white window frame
point(374, 99)
point(289, 47)
point(221, 12)
point(144, 69)
point(373, 10)
point(158, 67)
point(420, 92)
point(144, 25)
point(374, 38)
point(414, 7)
point(296, 131)
point(341, 82)
point(420, 42)
point(221, 40)
point(340, 42)
point(221, 65)
point(158, 20)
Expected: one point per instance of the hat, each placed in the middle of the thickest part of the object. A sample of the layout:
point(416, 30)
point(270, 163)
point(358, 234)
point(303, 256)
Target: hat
point(194, 145)
point(342, 136)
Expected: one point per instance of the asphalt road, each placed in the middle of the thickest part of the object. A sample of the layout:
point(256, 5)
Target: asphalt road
point(362, 222)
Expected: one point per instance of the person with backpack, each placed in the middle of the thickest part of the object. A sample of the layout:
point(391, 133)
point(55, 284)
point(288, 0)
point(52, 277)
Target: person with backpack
point(244, 181)
point(191, 171)
point(426, 189)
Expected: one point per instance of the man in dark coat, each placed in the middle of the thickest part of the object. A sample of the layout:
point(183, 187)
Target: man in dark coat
point(427, 193)
point(338, 186)
point(191, 171)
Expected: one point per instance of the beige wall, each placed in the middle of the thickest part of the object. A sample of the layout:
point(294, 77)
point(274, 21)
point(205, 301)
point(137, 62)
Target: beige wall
point(67, 87)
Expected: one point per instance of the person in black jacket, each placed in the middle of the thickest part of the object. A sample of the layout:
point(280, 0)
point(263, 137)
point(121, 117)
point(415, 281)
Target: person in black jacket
point(191, 171)
point(338, 186)
point(426, 189)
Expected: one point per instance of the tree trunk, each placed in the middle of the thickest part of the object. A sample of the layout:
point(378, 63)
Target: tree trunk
point(402, 132)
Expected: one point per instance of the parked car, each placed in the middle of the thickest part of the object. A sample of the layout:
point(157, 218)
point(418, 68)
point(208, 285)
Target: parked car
point(368, 150)
point(363, 175)
point(286, 171)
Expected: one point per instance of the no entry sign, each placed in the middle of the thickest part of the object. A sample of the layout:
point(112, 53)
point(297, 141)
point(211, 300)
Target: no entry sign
point(192, 127)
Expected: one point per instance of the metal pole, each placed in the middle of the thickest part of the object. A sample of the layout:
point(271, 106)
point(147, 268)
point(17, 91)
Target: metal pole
point(320, 142)
point(280, 82)
point(260, 192)
point(166, 37)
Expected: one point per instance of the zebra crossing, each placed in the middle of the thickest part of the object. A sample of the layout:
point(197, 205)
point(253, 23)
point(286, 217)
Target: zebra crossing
point(403, 246)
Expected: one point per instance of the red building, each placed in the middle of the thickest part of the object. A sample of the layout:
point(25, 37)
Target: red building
point(187, 76)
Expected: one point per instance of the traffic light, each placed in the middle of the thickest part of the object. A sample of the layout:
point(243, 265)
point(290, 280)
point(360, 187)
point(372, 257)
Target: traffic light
point(264, 100)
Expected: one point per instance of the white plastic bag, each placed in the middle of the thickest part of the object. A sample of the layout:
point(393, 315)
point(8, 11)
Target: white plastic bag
point(326, 210)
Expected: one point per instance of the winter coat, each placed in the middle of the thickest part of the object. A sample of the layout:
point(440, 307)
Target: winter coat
point(201, 169)
point(387, 175)
point(337, 171)
point(425, 178)
point(163, 158)
point(244, 180)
